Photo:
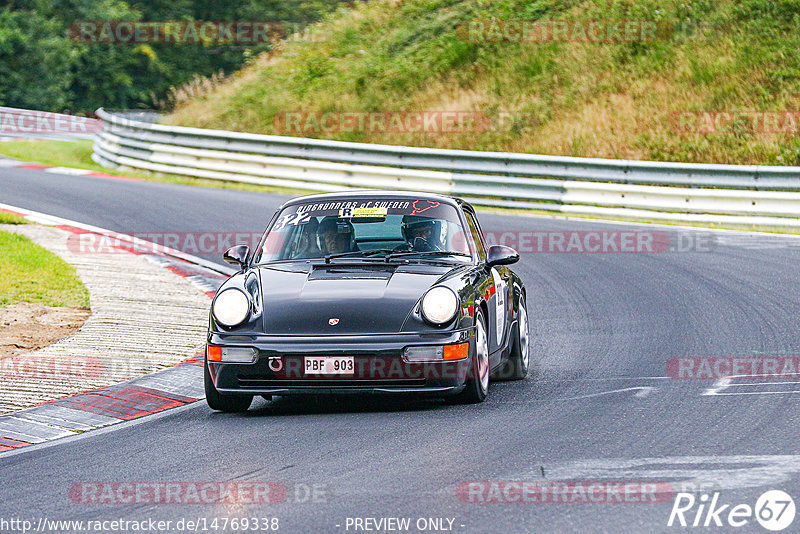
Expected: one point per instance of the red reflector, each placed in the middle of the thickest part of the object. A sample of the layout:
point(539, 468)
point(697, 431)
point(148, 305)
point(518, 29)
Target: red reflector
point(214, 353)
point(456, 352)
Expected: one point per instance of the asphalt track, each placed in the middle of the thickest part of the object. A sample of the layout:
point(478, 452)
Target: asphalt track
point(599, 406)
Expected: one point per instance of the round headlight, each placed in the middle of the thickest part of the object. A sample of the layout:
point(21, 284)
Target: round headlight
point(439, 305)
point(231, 307)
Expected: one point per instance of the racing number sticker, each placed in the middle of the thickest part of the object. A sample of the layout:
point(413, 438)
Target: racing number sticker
point(292, 219)
point(500, 300)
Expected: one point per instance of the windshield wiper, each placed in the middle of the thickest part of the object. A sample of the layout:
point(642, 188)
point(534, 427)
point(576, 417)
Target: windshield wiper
point(427, 253)
point(364, 253)
point(392, 253)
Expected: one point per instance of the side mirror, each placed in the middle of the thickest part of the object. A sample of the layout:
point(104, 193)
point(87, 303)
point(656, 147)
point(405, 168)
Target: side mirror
point(500, 255)
point(237, 255)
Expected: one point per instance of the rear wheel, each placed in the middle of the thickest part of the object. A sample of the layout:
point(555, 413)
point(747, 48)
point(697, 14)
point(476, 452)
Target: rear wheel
point(516, 368)
point(220, 402)
point(478, 379)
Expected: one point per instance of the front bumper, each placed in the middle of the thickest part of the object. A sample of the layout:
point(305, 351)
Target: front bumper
point(380, 367)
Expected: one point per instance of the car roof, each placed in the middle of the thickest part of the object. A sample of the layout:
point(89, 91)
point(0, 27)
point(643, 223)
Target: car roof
point(367, 193)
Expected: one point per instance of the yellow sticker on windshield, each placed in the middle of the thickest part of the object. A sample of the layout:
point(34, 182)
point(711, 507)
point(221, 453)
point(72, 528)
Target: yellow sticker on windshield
point(346, 213)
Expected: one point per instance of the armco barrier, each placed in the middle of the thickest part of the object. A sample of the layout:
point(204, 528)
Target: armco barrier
point(730, 194)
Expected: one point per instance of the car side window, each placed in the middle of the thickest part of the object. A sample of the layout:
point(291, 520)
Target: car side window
point(477, 237)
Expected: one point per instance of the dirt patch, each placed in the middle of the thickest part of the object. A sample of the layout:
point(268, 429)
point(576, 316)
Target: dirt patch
point(27, 327)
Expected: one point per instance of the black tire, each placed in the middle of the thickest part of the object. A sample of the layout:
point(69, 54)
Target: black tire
point(220, 402)
point(477, 388)
point(518, 363)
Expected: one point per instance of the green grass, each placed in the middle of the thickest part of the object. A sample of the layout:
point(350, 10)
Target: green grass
point(612, 100)
point(10, 218)
point(29, 273)
point(77, 155)
point(53, 153)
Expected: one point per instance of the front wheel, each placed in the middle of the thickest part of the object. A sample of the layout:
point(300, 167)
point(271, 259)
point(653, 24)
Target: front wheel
point(516, 368)
point(220, 402)
point(478, 378)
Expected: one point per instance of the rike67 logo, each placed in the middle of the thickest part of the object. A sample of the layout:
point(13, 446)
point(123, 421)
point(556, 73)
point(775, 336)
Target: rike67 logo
point(774, 510)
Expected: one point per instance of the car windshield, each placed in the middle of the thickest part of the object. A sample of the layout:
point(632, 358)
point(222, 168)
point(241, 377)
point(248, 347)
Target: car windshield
point(367, 228)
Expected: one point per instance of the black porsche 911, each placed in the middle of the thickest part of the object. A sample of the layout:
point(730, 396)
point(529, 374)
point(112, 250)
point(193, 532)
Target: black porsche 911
point(367, 292)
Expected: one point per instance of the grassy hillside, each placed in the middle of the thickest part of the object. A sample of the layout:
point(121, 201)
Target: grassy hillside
point(613, 100)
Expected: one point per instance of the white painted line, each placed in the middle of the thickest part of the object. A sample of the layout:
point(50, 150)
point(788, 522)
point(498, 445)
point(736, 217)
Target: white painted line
point(36, 428)
point(9, 433)
point(36, 417)
point(68, 414)
point(68, 170)
point(723, 384)
point(776, 383)
point(25, 431)
point(754, 393)
point(719, 384)
point(641, 391)
point(633, 378)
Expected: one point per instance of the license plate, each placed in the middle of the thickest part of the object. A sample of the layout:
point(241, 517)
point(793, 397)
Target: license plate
point(329, 365)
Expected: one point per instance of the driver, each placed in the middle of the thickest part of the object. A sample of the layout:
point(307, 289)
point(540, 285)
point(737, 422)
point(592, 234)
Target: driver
point(336, 235)
point(422, 234)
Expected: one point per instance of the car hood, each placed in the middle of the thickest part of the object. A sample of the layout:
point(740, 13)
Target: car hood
point(371, 298)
